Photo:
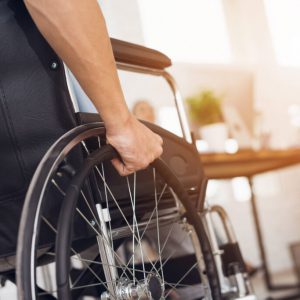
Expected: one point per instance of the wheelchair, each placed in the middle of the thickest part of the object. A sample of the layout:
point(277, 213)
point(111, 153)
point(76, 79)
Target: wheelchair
point(87, 233)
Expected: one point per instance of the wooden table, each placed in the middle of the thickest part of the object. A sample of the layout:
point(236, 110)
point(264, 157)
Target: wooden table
point(248, 164)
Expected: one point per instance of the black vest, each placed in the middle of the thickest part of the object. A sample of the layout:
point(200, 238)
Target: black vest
point(35, 110)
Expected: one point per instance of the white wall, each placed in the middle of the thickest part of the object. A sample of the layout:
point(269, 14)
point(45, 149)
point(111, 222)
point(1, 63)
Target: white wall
point(123, 19)
point(275, 89)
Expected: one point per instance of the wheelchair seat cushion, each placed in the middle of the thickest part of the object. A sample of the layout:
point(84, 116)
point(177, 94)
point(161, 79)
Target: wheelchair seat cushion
point(35, 110)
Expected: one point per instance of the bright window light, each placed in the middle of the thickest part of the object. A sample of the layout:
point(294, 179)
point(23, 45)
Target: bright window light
point(241, 189)
point(167, 117)
point(187, 31)
point(284, 23)
point(231, 146)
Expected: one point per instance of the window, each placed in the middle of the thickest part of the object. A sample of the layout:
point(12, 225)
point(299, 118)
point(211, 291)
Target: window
point(284, 23)
point(186, 30)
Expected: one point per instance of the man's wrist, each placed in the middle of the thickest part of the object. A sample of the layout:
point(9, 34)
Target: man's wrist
point(115, 122)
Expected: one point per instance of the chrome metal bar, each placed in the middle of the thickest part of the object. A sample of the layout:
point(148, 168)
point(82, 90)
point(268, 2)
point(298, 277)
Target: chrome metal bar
point(174, 88)
point(106, 254)
point(201, 264)
point(225, 286)
point(179, 106)
point(70, 88)
point(225, 221)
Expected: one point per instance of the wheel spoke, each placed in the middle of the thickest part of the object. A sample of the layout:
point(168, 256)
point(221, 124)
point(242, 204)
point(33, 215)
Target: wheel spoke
point(74, 252)
point(133, 202)
point(173, 252)
point(135, 237)
point(88, 222)
point(153, 211)
point(157, 224)
point(100, 234)
point(184, 276)
point(115, 201)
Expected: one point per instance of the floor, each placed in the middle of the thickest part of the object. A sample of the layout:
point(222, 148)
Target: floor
point(287, 277)
point(9, 291)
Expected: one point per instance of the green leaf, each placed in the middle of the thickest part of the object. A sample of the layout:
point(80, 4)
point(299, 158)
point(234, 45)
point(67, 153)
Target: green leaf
point(205, 108)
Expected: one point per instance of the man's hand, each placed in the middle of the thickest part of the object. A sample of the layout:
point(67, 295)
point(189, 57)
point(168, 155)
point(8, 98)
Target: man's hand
point(137, 145)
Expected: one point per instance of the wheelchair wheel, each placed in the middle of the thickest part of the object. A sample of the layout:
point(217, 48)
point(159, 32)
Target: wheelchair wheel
point(107, 236)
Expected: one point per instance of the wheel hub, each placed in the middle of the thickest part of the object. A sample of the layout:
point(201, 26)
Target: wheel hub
point(152, 289)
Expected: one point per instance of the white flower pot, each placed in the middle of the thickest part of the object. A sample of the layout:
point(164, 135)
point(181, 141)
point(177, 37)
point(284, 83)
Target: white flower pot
point(215, 135)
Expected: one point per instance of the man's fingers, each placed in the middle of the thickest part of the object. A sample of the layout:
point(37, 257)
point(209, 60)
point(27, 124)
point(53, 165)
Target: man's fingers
point(127, 167)
point(160, 151)
point(120, 167)
point(161, 141)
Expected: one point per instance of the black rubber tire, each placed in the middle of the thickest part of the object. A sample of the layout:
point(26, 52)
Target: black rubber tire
point(29, 224)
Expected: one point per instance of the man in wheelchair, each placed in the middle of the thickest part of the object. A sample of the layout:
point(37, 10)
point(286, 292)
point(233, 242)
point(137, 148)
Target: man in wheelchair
point(106, 231)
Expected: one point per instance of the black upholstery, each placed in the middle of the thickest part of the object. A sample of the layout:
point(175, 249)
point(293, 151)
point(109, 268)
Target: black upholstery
point(129, 53)
point(35, 110)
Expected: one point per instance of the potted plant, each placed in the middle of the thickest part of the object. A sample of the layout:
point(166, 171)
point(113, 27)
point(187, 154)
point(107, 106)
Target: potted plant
point(205, 111)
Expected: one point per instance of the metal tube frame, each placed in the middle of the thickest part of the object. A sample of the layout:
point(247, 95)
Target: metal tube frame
point(231, 237)
point(207, 218)
point(225, 221)
point(174, 88)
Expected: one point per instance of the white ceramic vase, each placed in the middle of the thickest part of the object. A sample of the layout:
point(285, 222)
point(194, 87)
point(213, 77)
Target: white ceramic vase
point(215, 135)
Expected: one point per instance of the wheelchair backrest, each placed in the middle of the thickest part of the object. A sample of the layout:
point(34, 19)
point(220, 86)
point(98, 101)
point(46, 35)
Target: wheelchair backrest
point(35, 106)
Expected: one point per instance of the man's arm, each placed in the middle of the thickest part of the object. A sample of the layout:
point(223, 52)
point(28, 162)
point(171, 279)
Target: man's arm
point(76, 30)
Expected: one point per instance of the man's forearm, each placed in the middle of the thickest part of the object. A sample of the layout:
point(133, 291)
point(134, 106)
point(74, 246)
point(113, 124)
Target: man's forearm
point(76, 30)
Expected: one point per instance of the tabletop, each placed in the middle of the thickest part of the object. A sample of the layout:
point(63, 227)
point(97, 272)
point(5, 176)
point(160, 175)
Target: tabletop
point(247, 162)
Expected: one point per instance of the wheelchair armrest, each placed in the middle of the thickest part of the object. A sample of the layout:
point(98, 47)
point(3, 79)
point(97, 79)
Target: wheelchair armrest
point(137, 55)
